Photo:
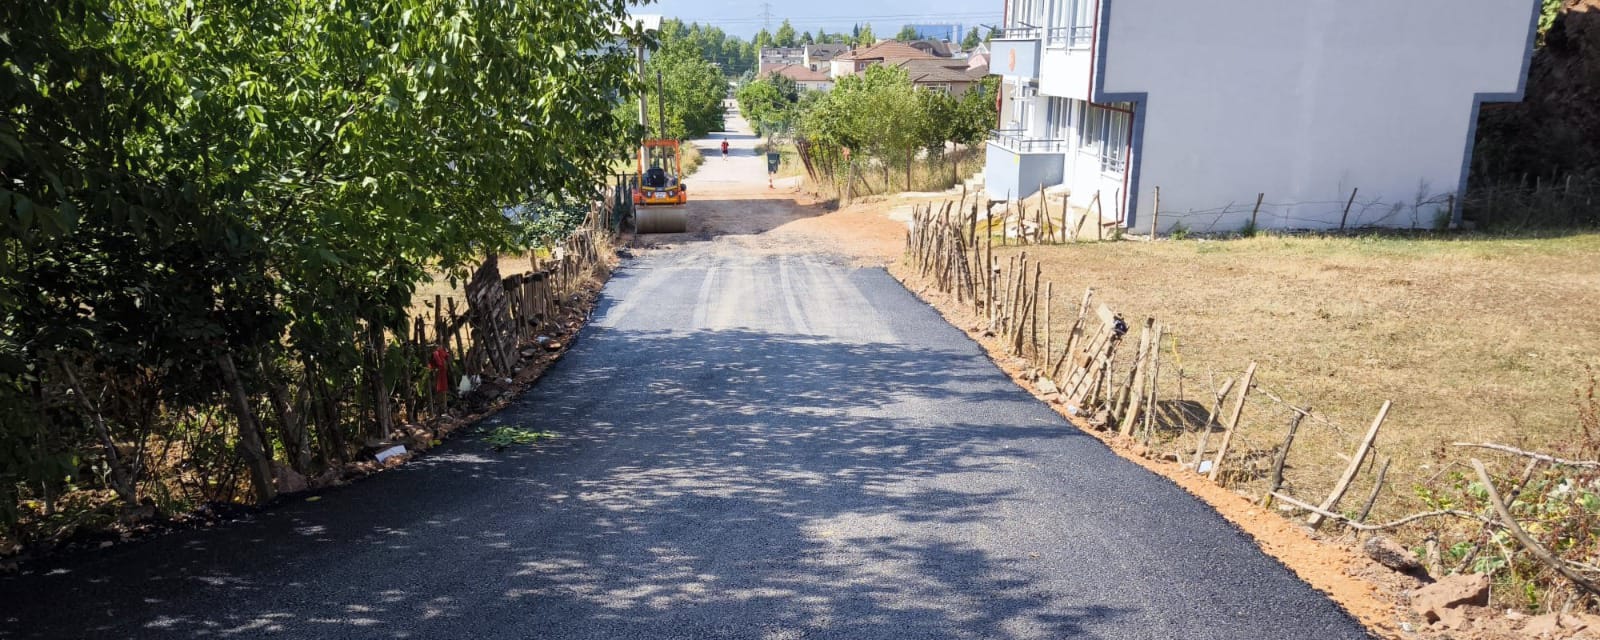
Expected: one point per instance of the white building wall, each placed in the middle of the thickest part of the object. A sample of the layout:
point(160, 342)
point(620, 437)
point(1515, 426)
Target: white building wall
point(1306, 100)
point(1065, 73)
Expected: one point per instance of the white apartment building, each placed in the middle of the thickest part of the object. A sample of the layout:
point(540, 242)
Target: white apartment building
point(1307, 102)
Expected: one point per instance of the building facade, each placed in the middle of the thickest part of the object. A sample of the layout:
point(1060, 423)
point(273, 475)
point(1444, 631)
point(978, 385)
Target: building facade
point(1328, 112)
point(782, 55)
point(926, 71)
point(943, 32)
point(804, 78)
point(819, 57)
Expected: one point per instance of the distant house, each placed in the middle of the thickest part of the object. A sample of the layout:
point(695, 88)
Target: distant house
point(937, 48)
point(887, 51)
point(1365, 108)
point(782, 55)
point(819, 57)
point(978, 58)
point(927, 71)
point(951, 77)
point(802, 76)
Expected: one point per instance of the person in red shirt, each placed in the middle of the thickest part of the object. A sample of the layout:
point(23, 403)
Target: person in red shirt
point(724, 148)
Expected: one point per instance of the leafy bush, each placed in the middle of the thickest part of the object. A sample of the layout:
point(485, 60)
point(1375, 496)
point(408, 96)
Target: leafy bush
point(218, 212)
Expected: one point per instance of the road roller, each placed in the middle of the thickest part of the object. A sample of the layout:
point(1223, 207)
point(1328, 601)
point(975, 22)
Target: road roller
point(661, 194)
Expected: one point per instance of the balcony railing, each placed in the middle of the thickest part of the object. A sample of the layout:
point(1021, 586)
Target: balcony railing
point(1020, 33)
point(1073, 37)
point(1017, 140)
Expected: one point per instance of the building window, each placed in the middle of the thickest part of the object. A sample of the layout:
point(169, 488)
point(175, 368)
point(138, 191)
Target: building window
point(1079, 23)
point(1105, 135)
point(1022, 108)
point(941, 87)
point(1027, 19)
point(1058, 121)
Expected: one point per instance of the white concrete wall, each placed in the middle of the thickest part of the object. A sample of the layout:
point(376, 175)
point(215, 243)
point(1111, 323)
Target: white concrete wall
point(1305, 100)
point(1065, 73)
point(1084, 177)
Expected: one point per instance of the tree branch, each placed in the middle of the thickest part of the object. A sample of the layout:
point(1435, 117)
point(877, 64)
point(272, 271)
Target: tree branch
point(1585, 464)
point(1387, 525)
point(1522, 537)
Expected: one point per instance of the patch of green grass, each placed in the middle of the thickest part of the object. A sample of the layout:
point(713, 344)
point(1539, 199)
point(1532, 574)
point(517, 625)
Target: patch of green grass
point(502, 437)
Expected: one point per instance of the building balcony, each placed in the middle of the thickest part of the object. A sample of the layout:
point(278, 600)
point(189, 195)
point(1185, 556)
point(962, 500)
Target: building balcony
point(1015, 53)
point(1016, 165)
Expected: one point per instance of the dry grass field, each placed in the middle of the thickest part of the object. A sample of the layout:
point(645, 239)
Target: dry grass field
point(1473, 338)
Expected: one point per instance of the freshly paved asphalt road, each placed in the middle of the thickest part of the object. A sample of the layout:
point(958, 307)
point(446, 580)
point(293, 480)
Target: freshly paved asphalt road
point(747, 446)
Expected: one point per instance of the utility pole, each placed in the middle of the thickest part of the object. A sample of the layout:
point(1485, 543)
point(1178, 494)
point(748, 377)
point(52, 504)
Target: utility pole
point(644, 109)
point(766, 15)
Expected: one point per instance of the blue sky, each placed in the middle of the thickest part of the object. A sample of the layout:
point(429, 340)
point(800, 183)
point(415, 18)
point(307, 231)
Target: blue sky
point(743, 17)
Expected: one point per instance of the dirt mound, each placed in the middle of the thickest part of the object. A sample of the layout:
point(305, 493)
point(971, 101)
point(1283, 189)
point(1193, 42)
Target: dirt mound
point(1555, 130)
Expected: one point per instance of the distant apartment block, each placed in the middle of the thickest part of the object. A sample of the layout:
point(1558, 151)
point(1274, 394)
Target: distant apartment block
point(942, 32)
point(782, 55)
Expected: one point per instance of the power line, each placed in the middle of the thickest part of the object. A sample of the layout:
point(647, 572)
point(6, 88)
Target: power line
point(766, 18)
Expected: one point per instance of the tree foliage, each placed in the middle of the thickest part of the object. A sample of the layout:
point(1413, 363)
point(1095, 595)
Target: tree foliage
point(864, 36)
point(907, 34)
point(972, 40)
point(924, 122)
point(785, 37)
point(769, 103)
point(683, 62)
point(210, 202)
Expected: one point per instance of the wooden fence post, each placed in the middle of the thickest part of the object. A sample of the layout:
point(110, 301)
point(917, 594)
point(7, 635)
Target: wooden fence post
point(1339, 489)
point(1155, 217)
point(1233, 422)
point(1276, 481)
point(1347, 204)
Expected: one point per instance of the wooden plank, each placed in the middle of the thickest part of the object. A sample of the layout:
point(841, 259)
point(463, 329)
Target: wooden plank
point(1349, 476)
point(1106, 315)
point(1154, 379)
point(1128, 400)
point(1233, 422)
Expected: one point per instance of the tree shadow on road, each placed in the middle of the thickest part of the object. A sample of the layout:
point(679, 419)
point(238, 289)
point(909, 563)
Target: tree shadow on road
point(764, 486)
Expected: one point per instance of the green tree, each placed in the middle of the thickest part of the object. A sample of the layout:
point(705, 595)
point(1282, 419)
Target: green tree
point(694, 87)
point(851, 116)
point(907, 34)
point(972, 40)
point(214, 204)
point(785, 37)
point(769, 103)
point(864, 37)
point(805, 38)
point(763, 40)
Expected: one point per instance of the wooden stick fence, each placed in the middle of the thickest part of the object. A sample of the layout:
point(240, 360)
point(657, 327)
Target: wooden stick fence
point(953, 251)
point(951, 246)
point(502, 316)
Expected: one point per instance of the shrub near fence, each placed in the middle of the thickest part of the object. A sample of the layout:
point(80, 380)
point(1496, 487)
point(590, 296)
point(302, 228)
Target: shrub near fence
point(1535, 531)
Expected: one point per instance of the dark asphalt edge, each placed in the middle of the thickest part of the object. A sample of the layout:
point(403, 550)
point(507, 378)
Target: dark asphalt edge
point(1091, 434)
